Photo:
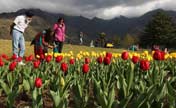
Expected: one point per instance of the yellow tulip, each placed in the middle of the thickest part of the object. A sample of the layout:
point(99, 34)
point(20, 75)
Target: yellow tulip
point(146, 52)
point(71, 52)
point(130, 55)
point(46, 54)
point(135, 54)
point(113, 61)
point(166, 56)
point(87, 53)
point(62, 82)
point(153, 52)
point(170, 56)
point(81, 52)
point(37, 56)
point(55, 55)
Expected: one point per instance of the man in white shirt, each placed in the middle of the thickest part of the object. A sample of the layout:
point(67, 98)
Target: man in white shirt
point(17, 29)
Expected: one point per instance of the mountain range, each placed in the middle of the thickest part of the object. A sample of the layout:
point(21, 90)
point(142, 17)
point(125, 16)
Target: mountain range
point(119, 26)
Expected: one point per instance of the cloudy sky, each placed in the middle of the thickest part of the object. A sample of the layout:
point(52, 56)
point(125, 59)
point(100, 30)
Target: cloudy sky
point(105, 9)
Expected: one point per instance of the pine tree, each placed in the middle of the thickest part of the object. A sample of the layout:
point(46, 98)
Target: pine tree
point(161, 30)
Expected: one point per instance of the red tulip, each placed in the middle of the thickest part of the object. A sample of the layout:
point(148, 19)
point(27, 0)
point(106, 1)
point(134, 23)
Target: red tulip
point(14, 57)
point(163, 55)
point(36, 64)
point(4, 56)
point(108, 54)
point(107, 60)
point(64, 67)
point(42, 56)
point(0, 58)
point(85, 68)
point(1, 63)
point(135, 59)
point(30, 58)
point(38, 82)
point(59, 59)
point(72, 61)
point(26, 59)
point(125, 55)
point(87, 60)
point(158, 55)
point(19, 59)
point(100, 60)
point(48, 58)
point(12, 66)
point(144, 65)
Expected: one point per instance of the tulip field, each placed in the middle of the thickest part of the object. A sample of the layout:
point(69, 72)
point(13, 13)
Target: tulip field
point(89, 80)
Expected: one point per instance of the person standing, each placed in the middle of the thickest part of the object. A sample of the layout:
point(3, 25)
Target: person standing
point(59, 35)
point(91, 43)
point(81, 38)
point(18, 27)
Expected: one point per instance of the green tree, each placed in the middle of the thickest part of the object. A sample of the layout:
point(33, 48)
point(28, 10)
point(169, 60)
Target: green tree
point(116, 40)
point(160, 30)
point(128, 40)
point(102, 39)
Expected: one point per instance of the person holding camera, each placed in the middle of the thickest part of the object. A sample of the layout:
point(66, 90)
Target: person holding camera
point(18, 27)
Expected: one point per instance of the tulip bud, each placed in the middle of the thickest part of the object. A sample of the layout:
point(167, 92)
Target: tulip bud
point(72, 61)
point(36, 64)
point(59, 59)
point(48, 58)
point(107, 60)
point(125, 55)
point(85, 68)
point(64, 67)
point(135, 59)
point(38, 82)
point(12, 66)
point(100, 60)
point(108, 54)
point(144, 65)
point(62, 82)
point(1, 63)
point(87, 60)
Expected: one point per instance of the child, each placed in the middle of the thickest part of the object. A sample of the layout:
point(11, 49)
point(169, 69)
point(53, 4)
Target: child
point(41, 42)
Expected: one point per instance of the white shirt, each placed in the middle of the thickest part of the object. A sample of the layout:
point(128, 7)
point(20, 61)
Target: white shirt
point(21, 23)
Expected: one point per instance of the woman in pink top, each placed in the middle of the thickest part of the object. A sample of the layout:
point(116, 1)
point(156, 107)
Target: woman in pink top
point(59, 35)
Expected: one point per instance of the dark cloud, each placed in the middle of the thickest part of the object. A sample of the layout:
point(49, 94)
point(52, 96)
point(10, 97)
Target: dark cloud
point(90, 8)
point(108, 3)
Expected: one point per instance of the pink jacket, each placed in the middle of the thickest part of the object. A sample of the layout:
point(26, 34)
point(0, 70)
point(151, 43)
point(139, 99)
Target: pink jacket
point(59, 32)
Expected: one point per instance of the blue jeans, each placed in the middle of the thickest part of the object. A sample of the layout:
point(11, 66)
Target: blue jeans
point(59, 46)
point(18, 43)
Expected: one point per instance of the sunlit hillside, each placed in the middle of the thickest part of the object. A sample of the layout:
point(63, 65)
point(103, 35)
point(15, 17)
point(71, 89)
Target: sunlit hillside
point(37, 25)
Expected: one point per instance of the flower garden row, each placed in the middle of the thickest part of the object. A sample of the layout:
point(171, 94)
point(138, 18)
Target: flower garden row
point(106, 80)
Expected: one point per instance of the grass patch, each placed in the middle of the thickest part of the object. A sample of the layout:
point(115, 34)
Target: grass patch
point(6, 48)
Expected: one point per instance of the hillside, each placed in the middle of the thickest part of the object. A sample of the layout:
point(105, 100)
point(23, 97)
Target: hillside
point(119, 26)
point(37, 25)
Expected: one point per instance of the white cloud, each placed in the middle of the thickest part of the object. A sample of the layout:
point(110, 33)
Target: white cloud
point(132, 11)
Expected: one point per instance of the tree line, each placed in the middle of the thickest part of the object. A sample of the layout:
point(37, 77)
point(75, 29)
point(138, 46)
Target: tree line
point(160, 30)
